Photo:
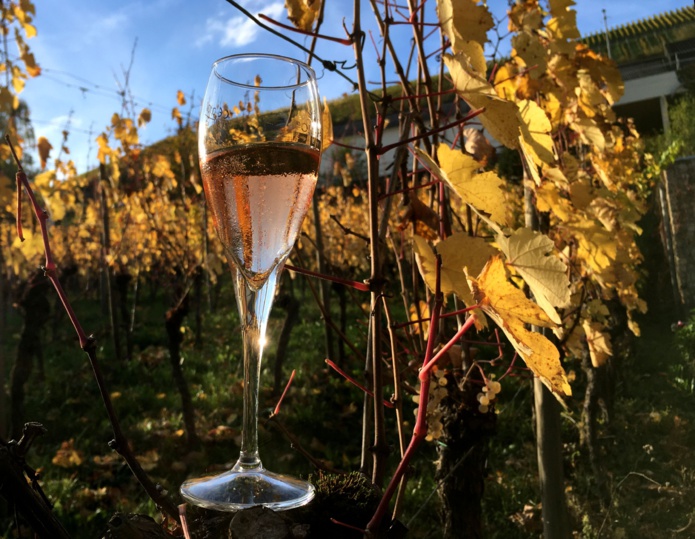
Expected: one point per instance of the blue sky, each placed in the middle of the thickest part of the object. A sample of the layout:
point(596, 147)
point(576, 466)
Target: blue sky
point(85, 48)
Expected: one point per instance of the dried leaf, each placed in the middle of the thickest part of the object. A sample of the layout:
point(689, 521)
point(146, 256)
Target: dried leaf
point(478, 146)
point(44, 148)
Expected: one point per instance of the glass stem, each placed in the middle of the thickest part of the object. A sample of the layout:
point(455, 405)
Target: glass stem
point(254, 309)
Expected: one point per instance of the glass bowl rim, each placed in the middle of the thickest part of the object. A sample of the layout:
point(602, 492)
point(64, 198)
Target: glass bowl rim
point(306, 68)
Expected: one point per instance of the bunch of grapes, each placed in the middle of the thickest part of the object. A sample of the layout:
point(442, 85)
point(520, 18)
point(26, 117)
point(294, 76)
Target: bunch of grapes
point(438, 391)
point(488, 395)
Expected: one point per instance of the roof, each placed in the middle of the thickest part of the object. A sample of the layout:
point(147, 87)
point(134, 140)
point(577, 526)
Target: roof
point(645, 38)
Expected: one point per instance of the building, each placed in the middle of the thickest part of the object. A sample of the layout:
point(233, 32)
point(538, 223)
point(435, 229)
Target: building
point(656, 58)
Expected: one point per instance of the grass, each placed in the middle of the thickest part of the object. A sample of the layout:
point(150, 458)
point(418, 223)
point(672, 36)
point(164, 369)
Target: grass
point(648, 447)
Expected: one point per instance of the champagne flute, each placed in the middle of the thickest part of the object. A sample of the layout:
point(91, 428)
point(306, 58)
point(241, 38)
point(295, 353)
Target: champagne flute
point(259, 141)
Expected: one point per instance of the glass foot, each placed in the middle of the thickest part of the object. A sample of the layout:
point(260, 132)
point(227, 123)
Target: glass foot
point(243, 488)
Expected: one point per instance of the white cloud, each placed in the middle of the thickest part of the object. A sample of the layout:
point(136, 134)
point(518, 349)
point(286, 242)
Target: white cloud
point(237, 31)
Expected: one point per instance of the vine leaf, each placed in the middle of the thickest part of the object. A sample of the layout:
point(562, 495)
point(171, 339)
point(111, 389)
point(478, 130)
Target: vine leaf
point(529, 253)
point(501, 117)
point(548, 199)
point(144, 117)
point(599, 342)
point(536, 134)
point(590, 133)
point(464, 20)
point(558, 7)
point(467, 33)
point(419, 314)
point(563, 24)
point(303, 13)
point(531, 51)
point(597, 247)
point(482, 190)
point(511, 310)
point(457, 252)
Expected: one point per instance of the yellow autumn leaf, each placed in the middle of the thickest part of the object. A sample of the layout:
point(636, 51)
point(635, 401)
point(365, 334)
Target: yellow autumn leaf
point(8, 101)
point(505, 81)
point(180, 98)
point(149, 460)
point(528, 47)
point(303, 13)
point(613, 86)
point(7, 190)
point(161, 168)
point(457, 252)
point(482, 190)
point(44, 181)
point(555, 175)
point(144, 117)
point(552, 106)
point(564, 72)
point(590, 133)
point(605, 74)
point(531, 254)
point(104, 150)
point(511, 310)
point(507, 299)
point(33, 70)
point(327, 126)
point(55, 205)
point(525, 17)
point(17, 80)
point(570, 166)
point(564, 25)
point(599, 342)
point(536, 136)
point(473, 56)
point(464, 20)
point(548, 200)
point(176, 115)
point(419, 314)
point(67, 456)
point(501, 117)
point(581, 193)
point(590, 97)
point(595, 245)
point(31, 248)
point(29, 30)
point(558, 7)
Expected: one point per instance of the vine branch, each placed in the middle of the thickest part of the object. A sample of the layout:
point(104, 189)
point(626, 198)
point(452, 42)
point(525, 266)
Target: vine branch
point(88, 344)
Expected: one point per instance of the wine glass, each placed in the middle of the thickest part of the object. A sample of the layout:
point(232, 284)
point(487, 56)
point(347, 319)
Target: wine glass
point(259, 142)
